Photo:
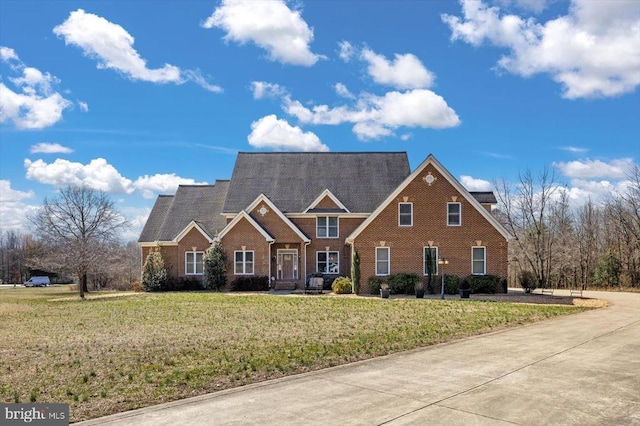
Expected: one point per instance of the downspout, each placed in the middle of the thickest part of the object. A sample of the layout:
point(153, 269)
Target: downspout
point(269, 260)
point(306, 244)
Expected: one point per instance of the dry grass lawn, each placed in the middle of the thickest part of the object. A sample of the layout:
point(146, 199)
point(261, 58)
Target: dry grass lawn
point(111, 354)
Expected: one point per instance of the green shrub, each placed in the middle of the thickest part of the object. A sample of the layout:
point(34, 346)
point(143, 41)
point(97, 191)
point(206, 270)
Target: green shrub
point(374, 285)
point(182, 284)
point(527, 281)
point(402, 283)
point(342, 285)
point(451, 284)
point(154, 274)
point(215, 268)
point(484, 283)
point(252, 283)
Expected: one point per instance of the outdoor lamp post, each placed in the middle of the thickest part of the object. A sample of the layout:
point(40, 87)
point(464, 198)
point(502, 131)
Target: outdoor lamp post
point(442, 261)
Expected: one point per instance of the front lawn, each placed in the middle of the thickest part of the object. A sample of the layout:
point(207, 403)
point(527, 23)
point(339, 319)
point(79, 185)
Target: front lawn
point(112, 354)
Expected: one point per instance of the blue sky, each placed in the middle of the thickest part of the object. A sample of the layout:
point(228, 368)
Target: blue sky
point(134, 98)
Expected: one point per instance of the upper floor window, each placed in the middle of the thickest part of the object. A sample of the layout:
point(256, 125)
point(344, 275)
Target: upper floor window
point(478, 260)
point(327, 227)
point(454, 214)
point(405, 214)
point(328, 262)
point(243, 264)
point(194, 263)
point(430, 260)
point(383, 261)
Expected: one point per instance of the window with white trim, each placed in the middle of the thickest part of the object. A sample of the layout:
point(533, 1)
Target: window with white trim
point(405, 214)
point(243, 262)
point(383, 261)
point(454, 214)
point(434, 260)
point(478, 260)
point(193, 262)
point(328, 262)
point(327, 227)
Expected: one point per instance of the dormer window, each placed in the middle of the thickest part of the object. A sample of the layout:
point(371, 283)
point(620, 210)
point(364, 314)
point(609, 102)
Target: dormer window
point(327, 227)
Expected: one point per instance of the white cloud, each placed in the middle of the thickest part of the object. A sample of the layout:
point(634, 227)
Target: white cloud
point(161, 183)
point(271, 132)
point(592, 51)
point(346, 51)
point(473, 184)
point(378, 116)
point(404, 72)
point(49, 148)
point(13, 210)
point(342, 91)
point(269, 24)
point(98, 175)
point(112, 46)
point(592, 169)
point(9, 195)
point(8, 55)
point(574, 149)
point(35, 104)
point(84, 107)
point(262, 89)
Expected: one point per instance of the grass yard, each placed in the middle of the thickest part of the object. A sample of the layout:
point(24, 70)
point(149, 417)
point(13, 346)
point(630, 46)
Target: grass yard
point(112, 354)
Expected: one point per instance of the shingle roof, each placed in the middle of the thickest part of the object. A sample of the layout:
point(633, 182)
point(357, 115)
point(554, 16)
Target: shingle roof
point(360, 180)
point(484, 197)
point(172, 214)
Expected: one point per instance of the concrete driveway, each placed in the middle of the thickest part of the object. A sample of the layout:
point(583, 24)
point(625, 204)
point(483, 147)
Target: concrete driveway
point(581, 369)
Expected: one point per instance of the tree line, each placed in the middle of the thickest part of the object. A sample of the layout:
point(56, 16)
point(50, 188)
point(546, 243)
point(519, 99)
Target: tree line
point(564, 246)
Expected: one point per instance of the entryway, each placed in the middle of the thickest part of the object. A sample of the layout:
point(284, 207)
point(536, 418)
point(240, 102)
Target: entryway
point(287, 264)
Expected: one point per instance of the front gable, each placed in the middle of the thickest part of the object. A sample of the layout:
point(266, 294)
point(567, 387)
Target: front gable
point(239, 221)
point(263, 211)
point(429, 176)
point(192, 225)
point(326, 201)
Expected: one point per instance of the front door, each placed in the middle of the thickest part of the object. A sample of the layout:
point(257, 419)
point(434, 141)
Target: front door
point(287, 264)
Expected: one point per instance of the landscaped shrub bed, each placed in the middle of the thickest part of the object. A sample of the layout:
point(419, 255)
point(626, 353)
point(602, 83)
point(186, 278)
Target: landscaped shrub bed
point(252, 283)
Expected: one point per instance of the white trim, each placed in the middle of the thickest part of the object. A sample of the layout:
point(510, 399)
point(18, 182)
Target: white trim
point(326, 252)
point(194, 262)
point(431, 160)
point(326, 193)
point(264, 199)
point(459, 213)
point(424, 260)
point(244, 262)
point(337, 214)
point(405, 203)
point(188, 228)
point(328, 237)
point(244, 215)
point(484, 260)
point(388, 262)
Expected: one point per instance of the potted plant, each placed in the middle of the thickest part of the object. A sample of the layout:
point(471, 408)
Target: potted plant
point(384, 290)
point(465, 289)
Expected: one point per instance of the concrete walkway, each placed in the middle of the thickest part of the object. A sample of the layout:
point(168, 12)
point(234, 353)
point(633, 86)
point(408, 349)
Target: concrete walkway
point(581, 369)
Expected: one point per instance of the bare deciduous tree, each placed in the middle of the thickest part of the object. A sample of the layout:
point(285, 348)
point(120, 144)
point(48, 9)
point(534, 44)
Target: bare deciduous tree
point(525, 214)
point(76, 226)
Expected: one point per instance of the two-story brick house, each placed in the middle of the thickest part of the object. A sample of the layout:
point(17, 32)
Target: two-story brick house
point(286, 215)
